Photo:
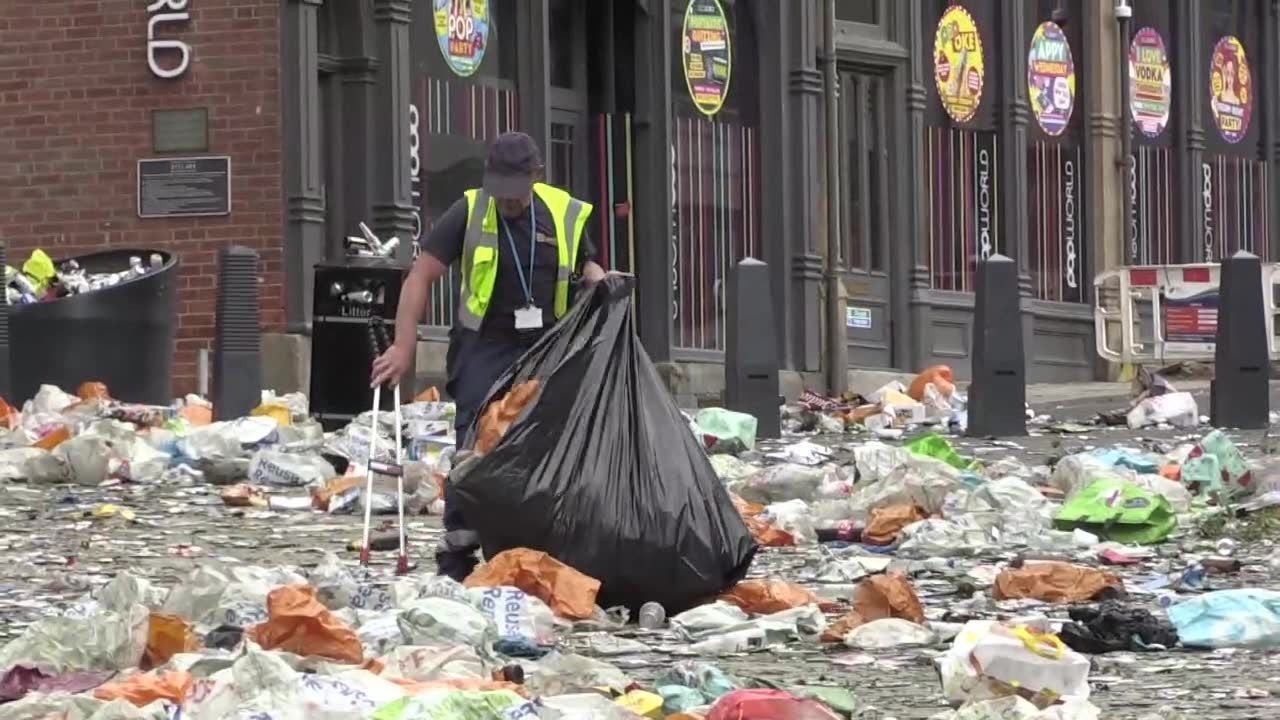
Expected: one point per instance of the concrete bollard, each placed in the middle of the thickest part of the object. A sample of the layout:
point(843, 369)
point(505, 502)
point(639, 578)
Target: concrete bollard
point(751, 349)
point(237, 342)
point(998, 393)
point(1240, 394)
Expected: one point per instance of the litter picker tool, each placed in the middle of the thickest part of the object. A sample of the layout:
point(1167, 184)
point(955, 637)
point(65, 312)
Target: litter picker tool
point(379, 343)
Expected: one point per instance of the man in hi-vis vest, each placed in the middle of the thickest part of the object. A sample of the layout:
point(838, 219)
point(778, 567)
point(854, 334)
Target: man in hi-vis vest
point(520, 243)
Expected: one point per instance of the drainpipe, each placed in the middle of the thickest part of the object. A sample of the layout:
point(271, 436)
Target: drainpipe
point(837, 350)
point(1129, 230)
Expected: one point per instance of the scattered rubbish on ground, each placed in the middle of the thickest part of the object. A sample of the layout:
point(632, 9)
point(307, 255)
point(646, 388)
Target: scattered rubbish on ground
point(872, 562)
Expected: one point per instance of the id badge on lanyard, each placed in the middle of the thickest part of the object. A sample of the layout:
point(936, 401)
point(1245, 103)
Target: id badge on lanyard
point(529, 317)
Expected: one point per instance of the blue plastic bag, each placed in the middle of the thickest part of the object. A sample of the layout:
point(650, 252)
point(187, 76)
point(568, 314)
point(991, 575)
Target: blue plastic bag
point(1247, 618)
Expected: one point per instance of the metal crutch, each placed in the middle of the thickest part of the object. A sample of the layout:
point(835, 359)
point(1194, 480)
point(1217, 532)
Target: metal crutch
point(380, 343)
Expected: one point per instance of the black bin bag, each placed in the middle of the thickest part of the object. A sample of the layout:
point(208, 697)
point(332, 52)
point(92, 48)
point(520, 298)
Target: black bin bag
point(601, 470)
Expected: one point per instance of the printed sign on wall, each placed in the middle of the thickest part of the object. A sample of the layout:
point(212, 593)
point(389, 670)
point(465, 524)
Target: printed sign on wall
point(1231, 89)
point(1051, 78)
point(1150, 82)
point(958, 69)
point(707, 53)
point(462, 27)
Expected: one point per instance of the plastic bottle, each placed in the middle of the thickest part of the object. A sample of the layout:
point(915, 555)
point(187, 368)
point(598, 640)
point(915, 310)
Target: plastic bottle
point(652, 616)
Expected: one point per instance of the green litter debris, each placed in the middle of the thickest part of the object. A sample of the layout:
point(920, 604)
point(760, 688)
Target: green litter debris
point(1121, 511)
point(937, 447)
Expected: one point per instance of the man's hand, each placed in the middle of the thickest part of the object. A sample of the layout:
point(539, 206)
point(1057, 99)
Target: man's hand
point(391, 365)
point(592, 273)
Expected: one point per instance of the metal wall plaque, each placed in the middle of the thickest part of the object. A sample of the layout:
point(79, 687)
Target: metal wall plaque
point(180, 130)
point(184, 187)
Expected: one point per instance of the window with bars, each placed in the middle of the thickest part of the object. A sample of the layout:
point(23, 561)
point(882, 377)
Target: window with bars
point(453, 119)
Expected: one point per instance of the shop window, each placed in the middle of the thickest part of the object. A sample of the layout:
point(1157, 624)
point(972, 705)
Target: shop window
point(1055, 155)
point(464, 96)
point(1151, 237)
point(859, 11)
point(964, 186)
point(863, 108)
point(1232, 83)
point(562, 20)
point(560, 156)
point(715, 161)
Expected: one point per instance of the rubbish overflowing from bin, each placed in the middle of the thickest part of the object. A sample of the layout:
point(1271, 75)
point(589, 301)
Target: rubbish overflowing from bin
point(642, 564)
point(40, 279)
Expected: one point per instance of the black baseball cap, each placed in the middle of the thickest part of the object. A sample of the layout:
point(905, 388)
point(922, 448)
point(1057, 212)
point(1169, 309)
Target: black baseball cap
point(514, 160)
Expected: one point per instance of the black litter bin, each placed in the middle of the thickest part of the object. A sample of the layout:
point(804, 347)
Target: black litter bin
point(349, 294)
point(122, 336)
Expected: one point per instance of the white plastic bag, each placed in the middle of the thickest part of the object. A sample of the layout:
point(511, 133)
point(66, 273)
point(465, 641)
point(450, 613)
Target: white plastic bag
point(987, 651)
point(889, 633)
point(437, 621)
point(781, 483)
point(105, 641)
point(431, 664)
point(943, 538)
point(33, 465)
point(793, 517)
point(920, 481)
point(516, 614)
point(271, 467)
point(1179, 409)
point(196, 597)
point(333, 583)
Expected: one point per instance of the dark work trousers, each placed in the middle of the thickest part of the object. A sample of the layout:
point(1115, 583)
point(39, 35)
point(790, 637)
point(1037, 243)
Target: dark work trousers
point(475, 363)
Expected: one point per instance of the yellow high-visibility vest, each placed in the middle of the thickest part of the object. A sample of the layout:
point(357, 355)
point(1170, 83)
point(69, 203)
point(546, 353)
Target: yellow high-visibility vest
point(480, 249)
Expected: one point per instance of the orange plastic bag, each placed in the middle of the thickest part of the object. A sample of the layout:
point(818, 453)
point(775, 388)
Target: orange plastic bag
point(763, 597)
point(299, 624)
point(431, 394)
point(8, 415)
point(886, 523)
point(501, 414)
point(53, 438)
point(145, 688)
point(167, 635)
point(93, 391)
point(569, 593)
point(1056, 582)
point(765, 533)
point(877, 598)
point(939, 375)
point(197, 415)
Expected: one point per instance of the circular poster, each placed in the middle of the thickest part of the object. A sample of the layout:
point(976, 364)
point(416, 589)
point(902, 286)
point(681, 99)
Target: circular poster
point(708, 57)
point(462, 27)
point(1051, 78)
point(1150, 82)
point(957, 65)
point(1231, 89)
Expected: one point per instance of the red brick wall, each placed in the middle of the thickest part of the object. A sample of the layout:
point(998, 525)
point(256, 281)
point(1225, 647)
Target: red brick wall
point(76, 98)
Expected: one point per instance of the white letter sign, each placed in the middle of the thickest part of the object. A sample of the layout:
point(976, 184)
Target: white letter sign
point(161, 12)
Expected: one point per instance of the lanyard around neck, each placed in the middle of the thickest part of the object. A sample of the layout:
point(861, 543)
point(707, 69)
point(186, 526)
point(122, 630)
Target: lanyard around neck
point(526, 285)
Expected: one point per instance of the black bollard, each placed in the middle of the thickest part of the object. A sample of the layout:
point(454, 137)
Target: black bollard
point(237, 342)
point(751, 350)
point(1239, 396)
point(5, 362)
point(998, 392)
